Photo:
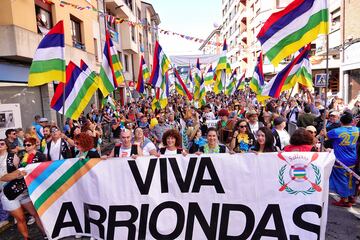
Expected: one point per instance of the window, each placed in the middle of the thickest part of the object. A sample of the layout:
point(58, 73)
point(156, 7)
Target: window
point(126, 63)
point(133, 33)
point(129, 4)
point(43, 16)
point(76, 32)
point(141, 43)
point(139, 14)
point(120, 56)
point(96, 50)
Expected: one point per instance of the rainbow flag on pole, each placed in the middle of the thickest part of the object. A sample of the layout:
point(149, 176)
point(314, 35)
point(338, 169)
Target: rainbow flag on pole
point(161, 64)
point(274, 86)
point(257, 81)
point(111, 68)
point(222, 69)
point(79, 88)
point(181, 87)
point(230, 89)
point(197, 81)
point(288, 30)
point(143, 76)
point(49, 61)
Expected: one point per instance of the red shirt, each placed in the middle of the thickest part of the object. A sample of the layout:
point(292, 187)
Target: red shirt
point(301, 148)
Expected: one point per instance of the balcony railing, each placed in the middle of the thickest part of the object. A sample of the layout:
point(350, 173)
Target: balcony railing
point(79, 45)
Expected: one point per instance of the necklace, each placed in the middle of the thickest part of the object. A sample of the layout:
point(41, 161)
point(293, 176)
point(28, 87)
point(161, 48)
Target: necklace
point(207, 149)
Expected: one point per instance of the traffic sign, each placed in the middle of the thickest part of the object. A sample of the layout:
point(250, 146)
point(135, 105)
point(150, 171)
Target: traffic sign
point(320, 80)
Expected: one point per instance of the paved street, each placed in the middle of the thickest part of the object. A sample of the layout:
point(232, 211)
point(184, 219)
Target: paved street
point(343, 224)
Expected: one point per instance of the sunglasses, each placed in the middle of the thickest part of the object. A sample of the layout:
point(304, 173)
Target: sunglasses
point(2, 144)
point(27, 145)
point(242, 126)
point(311, 131)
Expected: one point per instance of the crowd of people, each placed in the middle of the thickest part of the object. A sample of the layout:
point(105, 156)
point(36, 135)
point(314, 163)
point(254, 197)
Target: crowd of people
point(226, 124)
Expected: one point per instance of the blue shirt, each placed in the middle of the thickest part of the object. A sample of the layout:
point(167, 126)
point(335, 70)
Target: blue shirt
point(344, 143)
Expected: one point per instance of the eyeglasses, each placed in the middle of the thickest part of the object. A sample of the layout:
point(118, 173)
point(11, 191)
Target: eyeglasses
point(27, 145)
point(2, 144)
point(242, 126)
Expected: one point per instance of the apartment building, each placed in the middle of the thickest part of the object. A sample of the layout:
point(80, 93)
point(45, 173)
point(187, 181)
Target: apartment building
point(149, 35)
point(212, 44)
point(319, 49)
point(131, 40)
point(20, 34)
point(350, 56)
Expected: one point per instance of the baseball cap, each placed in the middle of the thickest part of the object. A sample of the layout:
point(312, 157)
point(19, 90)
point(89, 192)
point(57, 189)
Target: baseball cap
point(334, 113)
point(311, 128)
point(43, 120)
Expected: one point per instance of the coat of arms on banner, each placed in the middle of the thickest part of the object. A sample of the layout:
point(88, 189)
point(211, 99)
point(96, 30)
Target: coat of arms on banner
point(299, 175)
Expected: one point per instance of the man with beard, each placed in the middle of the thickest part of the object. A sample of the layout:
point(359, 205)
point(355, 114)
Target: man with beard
point(158, 131)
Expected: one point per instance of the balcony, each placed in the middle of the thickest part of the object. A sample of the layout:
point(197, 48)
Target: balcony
point(120, 9)
point(20, 44)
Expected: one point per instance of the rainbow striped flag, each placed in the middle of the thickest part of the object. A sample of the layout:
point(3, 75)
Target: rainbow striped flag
point(300, 73)
point(49, 181)
point(222, 69)
point(257, 81)
point(241, 83)
point(230, 89)
point(143, 76)
point(49, 61)
point(286, 31)
point(197, 81)
point(274, 86)
point(209, 76)
point(111, 68)
point(181, 87)
point(161, 64)
point(202, 97)
point(79, 88)
point(161, 95)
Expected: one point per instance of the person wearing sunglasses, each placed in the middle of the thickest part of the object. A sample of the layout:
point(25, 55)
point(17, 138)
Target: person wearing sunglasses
point(11, 140)
point(10, 174)
point(31, 154)
point(242, 139)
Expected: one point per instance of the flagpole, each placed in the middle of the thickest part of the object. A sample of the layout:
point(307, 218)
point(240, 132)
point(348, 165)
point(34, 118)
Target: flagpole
point(327, 77)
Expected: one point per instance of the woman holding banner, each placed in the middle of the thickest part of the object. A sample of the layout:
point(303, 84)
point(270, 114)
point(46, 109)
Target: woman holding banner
point(264, 141)
point(172, 141)
point(242, 139)
point(14, 195)
point(212, 145)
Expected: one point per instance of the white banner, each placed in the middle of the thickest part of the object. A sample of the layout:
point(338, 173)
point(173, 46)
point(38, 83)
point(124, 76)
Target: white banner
point(211, 123)
point(215, 196)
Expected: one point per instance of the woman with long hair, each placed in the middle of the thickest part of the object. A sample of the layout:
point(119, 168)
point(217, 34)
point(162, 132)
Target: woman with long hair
point(264, 141)
point(15, 197)
point(242, 139)
point(148, 147)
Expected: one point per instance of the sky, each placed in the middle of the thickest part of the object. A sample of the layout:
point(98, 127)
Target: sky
point(195, 18)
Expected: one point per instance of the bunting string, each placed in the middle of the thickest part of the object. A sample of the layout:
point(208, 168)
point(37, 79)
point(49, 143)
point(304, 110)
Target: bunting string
point(141, 24)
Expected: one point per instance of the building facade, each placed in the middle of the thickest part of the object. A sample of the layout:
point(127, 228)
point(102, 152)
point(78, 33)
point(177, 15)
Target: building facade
point(212, 44)
point(22, 24)
point(350, 56)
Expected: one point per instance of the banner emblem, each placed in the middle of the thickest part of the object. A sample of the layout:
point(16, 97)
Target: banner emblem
point(300, 173)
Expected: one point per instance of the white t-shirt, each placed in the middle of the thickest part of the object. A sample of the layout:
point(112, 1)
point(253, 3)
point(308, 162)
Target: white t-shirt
point(55, 149)
point(124, 152)
point(209, 116)
point(254, 128)
point(170, 152)
point(3, 168)
point(148, 147)
point(284, 138)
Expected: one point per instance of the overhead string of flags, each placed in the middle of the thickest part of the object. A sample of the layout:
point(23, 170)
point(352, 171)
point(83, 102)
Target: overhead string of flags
point(289, 31)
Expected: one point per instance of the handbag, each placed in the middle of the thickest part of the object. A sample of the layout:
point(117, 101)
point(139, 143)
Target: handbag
point(14, 188)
